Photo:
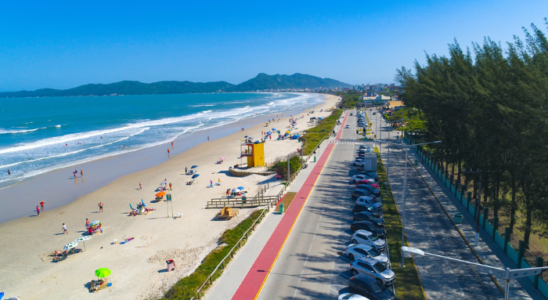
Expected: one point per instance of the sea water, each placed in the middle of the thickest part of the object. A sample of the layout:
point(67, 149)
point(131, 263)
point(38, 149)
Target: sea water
point(38, 135)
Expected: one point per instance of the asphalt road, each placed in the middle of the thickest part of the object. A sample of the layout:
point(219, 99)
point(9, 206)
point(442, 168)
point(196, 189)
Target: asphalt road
point(309, 266)
point(428, 228)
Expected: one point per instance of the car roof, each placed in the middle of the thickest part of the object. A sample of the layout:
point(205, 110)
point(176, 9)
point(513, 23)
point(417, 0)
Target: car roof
point(365, 232)
point(361, 246)
point(364, 278)
point(368, 260)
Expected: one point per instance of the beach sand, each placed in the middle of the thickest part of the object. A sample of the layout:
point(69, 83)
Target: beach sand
point(138, 267)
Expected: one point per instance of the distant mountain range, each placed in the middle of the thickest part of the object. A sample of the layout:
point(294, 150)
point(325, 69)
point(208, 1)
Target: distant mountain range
point(260, 83)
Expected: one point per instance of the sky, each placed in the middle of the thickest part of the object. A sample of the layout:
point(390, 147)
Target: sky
point(63, 44)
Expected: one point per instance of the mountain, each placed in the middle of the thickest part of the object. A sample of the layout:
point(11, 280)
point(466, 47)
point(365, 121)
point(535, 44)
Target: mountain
point(295, 81)
point(261, 82)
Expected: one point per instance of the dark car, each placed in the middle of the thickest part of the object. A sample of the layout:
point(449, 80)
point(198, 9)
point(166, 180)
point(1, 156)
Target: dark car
point(350, 113)
point(370, 288)
point(367, 208)
point(369, 226)
point(367, 173)
point(358, 193)
point(365, 216)
point(372, 190)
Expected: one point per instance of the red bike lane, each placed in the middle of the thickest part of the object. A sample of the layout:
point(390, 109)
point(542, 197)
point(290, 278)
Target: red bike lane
point(257, 275)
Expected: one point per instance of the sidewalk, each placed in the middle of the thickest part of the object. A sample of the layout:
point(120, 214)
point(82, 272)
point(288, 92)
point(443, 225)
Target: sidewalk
point(235, 273)
point(487, 249)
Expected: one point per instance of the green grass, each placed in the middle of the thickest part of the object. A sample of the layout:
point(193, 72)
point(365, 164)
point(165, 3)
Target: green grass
point(186, 288)
point(314, 135)
point(407, 284)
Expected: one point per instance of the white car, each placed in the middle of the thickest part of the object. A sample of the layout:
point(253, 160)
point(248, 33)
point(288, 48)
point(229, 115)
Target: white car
point(350, 296)
point(367, 200)
point(359, 177)
point(374, 269)
point(369, 238)
point(357, 251)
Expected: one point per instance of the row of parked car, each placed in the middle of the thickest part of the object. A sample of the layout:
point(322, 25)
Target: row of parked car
point(370, 266)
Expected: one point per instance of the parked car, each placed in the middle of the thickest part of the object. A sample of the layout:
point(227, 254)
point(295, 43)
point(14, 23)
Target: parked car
point(374, 269)
point(350, 113)
point(362, 172)
point(358, 162)
point(369, 181)
point(375, 205)
point(367, 208)
point(365, 216)
point(369, 287)
point(369, 188)
point(367, 200)
point(358, 193)
point(369, 226)
point(367, 237)
point(350, 296)
point(347, 126)
point(357, 251)
point(359, 177)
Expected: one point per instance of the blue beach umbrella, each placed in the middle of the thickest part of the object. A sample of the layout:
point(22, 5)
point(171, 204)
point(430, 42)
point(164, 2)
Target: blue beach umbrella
point(274, 129)
point(241, 188)
point(195, 175)
point(143, 202)
point(194, 167)
point(296, 136)
point(268, 132)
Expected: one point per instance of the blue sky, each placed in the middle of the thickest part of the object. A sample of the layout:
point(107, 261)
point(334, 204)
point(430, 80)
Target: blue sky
point(62, 44)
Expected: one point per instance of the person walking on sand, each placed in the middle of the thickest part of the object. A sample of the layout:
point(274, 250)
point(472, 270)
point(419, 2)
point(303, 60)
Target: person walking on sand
point(186, 170)
point(100, 206)
point(210, 183)
point(140, 185)
point(37, 210)
point(65, 228)
point(170, 186)
point(87, 223)
point(42, 205)
point(82, 173)
point(168, 151)
point(208, 138)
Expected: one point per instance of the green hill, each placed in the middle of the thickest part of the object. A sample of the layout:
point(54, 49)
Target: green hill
point(261, 82)
point(295, 81)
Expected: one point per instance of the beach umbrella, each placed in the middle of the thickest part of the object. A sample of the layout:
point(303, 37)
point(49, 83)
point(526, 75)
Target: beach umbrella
point(83, 239)
point(194, 176)
point(288, 131)
point(163, 182)
point(235, 190)
point(96, 222)
point(245, 136)
point(241, 188)
point(268, 132)
point(143, 202)
point(296, 136)
point(194, 167)
point(70, 246)
point(222, 158)
point(160, 194)
point(102, 272)
point(274, 129)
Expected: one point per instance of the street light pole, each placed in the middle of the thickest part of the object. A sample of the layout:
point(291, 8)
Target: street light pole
point(506, 273)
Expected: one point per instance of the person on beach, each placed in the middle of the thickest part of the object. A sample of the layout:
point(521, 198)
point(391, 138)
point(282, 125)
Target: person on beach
point(65, 228)
point(82, 173)
point(9, 172)
point(186, 170)
point(210, 183)
point(168, 151)
point(42, 205)
point(87, 223)
point(100, 206)
point(37, 210)
point(208, 138)
point(170, 186)
point(140, 185)
point(227, 192)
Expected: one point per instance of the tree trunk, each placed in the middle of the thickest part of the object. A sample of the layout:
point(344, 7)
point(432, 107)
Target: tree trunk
point(528, 221)
point(459, 169)
point(475, 194)
point(513, 205)
point(496, 202)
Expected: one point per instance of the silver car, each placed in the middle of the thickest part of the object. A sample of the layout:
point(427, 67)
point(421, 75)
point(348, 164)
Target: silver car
point(357, 251)
point(373, 268)
point(369, 238)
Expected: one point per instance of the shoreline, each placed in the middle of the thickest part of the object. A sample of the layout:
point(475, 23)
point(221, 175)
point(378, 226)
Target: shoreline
point(137, 266)
point(100, 172)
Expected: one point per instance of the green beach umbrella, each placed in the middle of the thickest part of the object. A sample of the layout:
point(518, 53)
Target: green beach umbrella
point(102, 272)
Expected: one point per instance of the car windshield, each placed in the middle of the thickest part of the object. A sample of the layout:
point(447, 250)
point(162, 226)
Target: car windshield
point(371, 208)
point(377, 287)
point(374, 253)
point(373, 237)
point(379, 267)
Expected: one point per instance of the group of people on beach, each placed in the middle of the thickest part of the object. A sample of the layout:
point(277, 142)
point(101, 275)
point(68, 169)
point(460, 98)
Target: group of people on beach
point(40, 208)
point(75, 173)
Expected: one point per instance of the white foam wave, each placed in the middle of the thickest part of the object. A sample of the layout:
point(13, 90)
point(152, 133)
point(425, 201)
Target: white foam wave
point(201, 105)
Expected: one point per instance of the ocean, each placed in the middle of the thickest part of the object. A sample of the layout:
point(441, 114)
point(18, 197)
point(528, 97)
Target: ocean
point(38, 135)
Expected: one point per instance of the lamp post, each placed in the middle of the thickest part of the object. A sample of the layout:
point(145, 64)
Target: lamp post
point(504, 273)
point(405, 187)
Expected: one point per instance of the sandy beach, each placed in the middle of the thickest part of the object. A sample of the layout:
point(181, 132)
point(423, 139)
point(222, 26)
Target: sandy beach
point(138, 267)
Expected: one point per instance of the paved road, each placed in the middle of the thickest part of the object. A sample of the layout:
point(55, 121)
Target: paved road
point(428, 228)
point(309, 265)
